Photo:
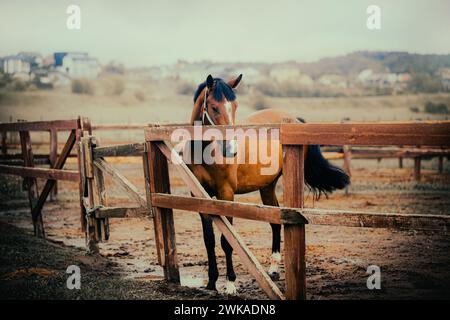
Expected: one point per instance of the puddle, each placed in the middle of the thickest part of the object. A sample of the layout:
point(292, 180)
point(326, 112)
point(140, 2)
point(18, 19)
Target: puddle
point(193, 282)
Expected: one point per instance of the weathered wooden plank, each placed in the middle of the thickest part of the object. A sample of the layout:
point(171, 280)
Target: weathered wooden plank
point(123, 150)
point(417, 167)
point(247, 258)
point(294, 235)
point(100, 197)
point(33, 192)
point(20, 162)
point(53, 156)
point(347, 159)
point(92, 232)
point(346, 218)
point(106, 127)
point(4, 143)
point(242, 210)
point(164, 133)
point(441, 164)
point(42, 158)
point(148, 185)
point(80, 163)
point(293, 177)
point(121, 212)
point(405, 153)
point(400, 221)
point(44, 173)
point(163, 217)
point(17, 156)
point(430, 133)
point(39, 125)
point(295, 261)
point(121, 181)
point(389, 155)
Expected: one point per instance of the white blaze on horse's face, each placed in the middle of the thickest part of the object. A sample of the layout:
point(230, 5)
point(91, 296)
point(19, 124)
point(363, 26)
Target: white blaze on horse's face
point(229, 109)
point(231, 145)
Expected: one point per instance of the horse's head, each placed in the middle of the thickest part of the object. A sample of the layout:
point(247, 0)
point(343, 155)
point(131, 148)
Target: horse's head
point(215, 102)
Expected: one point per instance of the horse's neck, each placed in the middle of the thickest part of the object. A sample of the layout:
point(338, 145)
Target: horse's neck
point(209, 175)
point(197, 110)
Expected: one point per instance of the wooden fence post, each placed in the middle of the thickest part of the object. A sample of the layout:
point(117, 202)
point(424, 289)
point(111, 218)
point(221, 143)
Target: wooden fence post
point(158, 234)
point(31, 184)
point(79, 135)
point(294, 234)
point(53, 157)
point(4, 145)
point(92, 232)
point(158, 180)
point(400, 161)
point(347, 162)
point(100, 198)
point(417, 164)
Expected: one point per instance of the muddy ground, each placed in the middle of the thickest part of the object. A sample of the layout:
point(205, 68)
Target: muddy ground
point(36, 269)
point(414, 264)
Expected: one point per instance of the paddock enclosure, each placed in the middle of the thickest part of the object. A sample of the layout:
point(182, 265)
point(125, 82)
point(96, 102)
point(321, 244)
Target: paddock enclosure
point(343, 140)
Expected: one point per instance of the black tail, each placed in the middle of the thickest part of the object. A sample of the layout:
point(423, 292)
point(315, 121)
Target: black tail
point(320, 175)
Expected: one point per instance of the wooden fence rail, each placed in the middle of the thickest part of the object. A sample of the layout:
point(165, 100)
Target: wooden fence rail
point(417, 154)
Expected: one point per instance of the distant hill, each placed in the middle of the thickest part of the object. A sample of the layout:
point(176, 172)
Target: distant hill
point(414, 63)
point(379, 61)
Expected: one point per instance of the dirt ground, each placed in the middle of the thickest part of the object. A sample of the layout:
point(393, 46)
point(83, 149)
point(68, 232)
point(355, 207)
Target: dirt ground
point(414, 265)
point(33, 268)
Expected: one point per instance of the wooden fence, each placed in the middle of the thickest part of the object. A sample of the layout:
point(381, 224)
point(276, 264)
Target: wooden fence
point(158, 202)
point(76, 128)
point(347, 153)
point(294, 137)
point(417, 153)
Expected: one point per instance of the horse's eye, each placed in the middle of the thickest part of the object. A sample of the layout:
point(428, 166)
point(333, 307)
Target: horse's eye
point(215, 109)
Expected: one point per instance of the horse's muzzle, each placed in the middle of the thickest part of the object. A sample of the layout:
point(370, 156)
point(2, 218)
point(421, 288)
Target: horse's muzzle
point(229, 148)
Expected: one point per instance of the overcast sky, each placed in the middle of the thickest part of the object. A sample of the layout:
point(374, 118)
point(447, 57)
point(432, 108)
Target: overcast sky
point(142, 33)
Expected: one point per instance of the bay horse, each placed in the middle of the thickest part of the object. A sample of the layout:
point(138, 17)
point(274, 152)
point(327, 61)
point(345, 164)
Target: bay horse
point(215, 103)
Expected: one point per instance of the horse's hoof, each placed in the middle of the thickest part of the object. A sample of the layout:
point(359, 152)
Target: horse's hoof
point(211, 287)
point(275, 276)
point(230, 288)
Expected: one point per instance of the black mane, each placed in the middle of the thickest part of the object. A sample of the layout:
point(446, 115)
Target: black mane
point(220, 89)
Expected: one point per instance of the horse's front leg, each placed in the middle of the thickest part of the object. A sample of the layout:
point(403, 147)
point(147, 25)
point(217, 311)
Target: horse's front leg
point(269, 197)
point(275, 258)
point(230, 288)
point(210, 243)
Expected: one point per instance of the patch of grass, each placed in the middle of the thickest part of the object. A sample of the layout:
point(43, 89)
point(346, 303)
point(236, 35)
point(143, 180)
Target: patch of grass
point(19, 85)
point(436, 108)
point(258, 101)
point(115, 86)
point(5, 80)
point(82, 86)
point(139, 95)
point(186, 88)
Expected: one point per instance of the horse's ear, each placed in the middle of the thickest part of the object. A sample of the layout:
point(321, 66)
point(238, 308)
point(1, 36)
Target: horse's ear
point(209, 82)
point(234, 83)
